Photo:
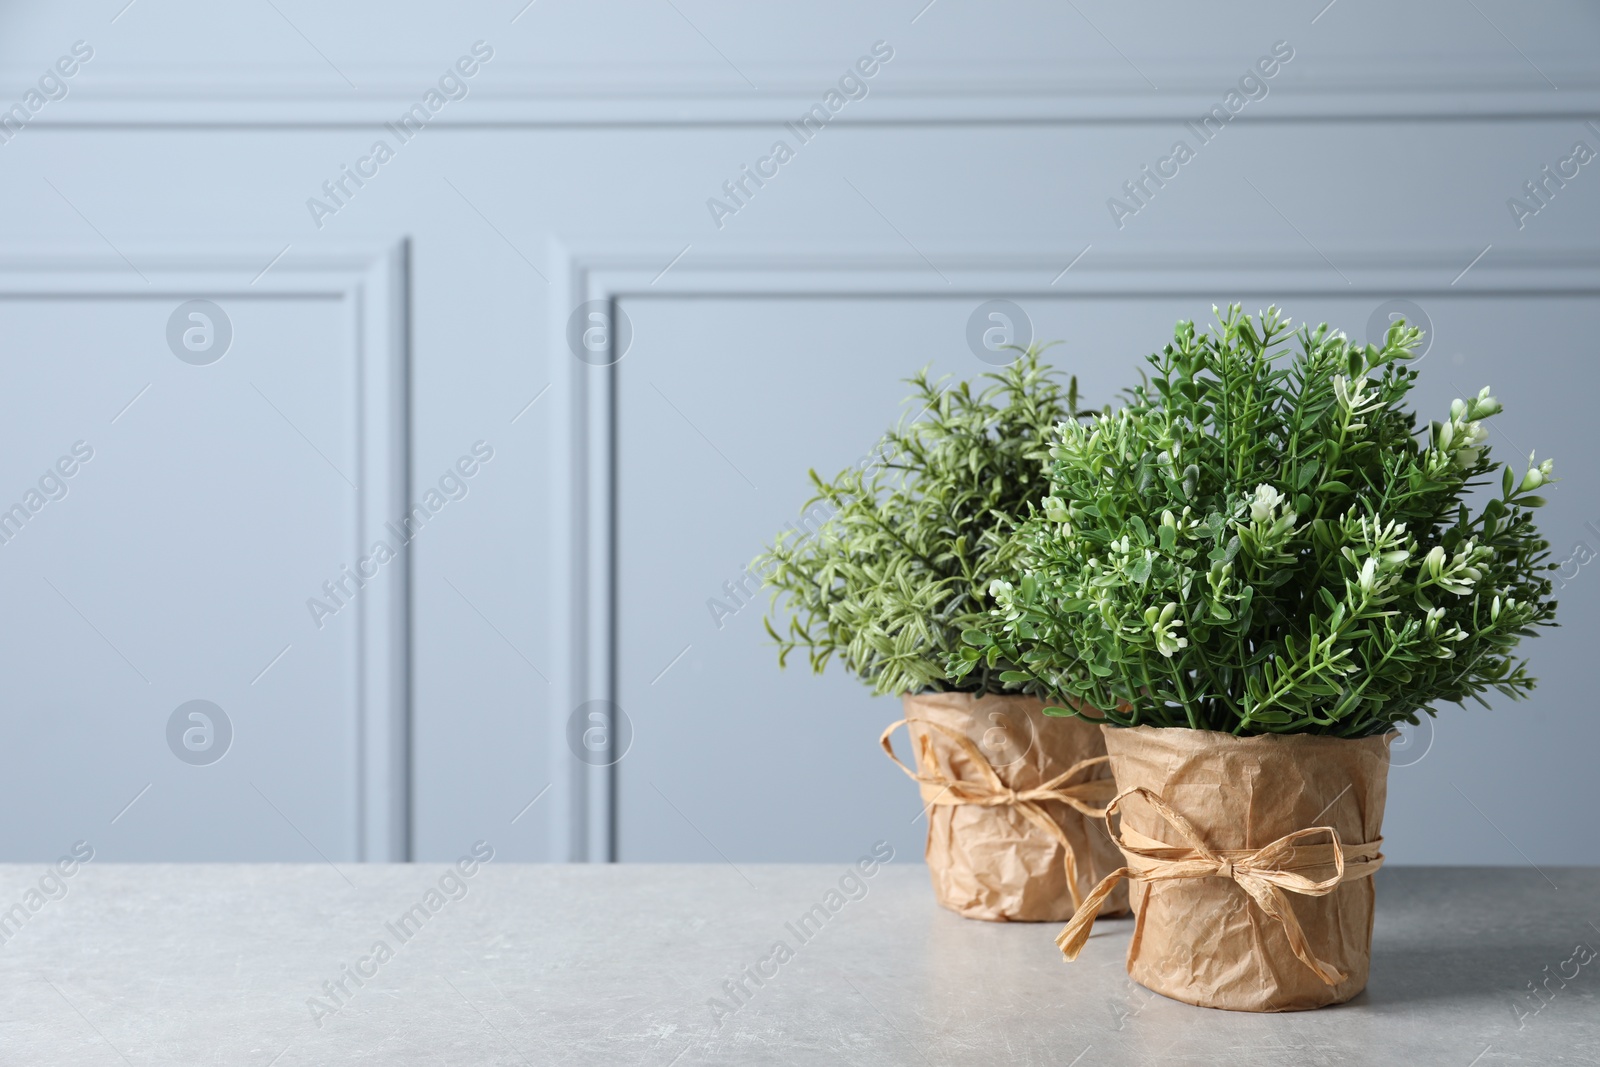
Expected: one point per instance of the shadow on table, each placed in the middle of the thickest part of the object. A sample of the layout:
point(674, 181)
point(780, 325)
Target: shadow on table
point(1412, 974)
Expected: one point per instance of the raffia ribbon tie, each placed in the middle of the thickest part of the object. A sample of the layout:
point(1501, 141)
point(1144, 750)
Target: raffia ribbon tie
point(1264, 873)
point(989, 791)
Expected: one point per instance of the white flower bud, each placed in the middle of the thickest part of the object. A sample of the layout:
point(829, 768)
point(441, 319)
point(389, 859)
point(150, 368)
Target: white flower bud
point(1264, 503)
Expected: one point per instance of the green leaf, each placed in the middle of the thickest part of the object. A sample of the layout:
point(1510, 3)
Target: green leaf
point(1191, 480)
point(1225, 553)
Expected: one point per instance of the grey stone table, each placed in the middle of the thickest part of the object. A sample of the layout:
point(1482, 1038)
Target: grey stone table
point(253, 965)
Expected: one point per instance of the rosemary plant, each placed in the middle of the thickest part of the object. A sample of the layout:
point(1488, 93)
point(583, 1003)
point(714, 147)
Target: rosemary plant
point(918, 534)
point(1261, 542)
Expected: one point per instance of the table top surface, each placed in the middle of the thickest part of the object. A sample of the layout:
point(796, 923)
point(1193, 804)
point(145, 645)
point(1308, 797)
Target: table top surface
point(517, 964)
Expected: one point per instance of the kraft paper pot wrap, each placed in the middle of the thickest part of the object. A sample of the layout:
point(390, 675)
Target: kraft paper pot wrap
point(1013, 803)
point(1251, 860)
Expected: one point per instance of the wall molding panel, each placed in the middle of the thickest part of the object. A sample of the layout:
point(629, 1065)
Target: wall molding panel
point(1314, 87)
point(371, 285)
point(584, 460)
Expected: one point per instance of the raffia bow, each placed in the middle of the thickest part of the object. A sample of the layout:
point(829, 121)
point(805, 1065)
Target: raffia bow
point(991, 792)
point(1264, 873)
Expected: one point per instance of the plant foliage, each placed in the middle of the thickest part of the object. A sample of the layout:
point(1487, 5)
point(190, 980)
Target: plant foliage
point(919, 532)
point(1264, 543)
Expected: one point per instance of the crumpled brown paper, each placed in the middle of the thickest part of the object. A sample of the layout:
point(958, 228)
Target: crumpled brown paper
point(1202, 937)
point(987, 857)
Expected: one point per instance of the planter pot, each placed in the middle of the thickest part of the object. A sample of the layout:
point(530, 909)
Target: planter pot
point(1251, 860)
point(1014, 801)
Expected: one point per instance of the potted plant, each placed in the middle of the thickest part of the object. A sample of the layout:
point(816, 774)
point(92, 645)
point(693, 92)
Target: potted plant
point(1260, 567)
point(917, 533)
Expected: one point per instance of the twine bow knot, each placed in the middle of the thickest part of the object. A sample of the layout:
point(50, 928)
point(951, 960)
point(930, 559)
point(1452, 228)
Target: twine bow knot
point(989, 791)
point(1264, 873)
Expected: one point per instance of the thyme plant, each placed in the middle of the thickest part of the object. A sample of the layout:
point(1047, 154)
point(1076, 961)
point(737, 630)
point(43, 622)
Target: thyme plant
point(918, 535)
point(1261, 542)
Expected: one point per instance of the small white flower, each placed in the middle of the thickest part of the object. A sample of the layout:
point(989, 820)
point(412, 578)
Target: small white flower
point(1162, 626)
point(1368, 576)
point(1264, 503)
point(1431, 621)
point(1352, 394)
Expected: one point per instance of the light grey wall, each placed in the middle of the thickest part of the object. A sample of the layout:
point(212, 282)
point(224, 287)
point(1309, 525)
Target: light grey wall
point(430, 312)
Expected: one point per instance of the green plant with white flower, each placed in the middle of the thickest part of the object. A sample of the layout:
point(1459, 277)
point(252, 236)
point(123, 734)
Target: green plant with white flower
point(891, 580)
point(1264, 542)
